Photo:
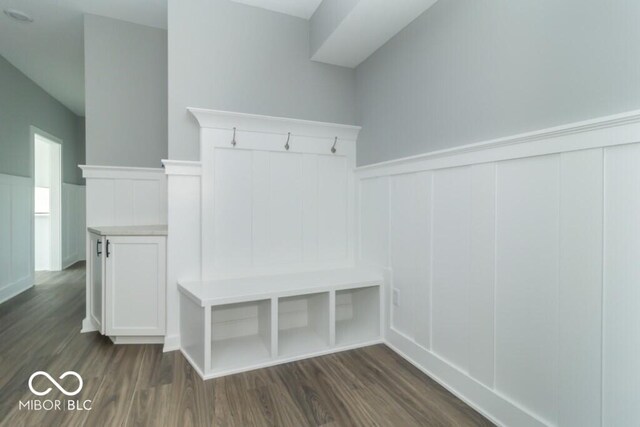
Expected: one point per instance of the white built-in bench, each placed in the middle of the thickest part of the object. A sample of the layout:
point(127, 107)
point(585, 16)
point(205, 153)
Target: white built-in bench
point(234, 325)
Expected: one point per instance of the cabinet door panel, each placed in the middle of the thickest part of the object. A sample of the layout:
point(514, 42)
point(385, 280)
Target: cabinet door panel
point(135, 277)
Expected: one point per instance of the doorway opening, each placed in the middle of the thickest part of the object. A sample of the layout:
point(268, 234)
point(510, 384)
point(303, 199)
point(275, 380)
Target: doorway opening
point(47, 192)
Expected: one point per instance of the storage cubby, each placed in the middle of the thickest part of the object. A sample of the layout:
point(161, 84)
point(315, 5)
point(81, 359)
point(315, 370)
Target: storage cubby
point(303, 324)
point(357, 315)
point(240, 334)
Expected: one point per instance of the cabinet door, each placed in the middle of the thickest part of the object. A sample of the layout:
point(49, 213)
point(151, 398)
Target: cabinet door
point(135, 285)
point(96, 278)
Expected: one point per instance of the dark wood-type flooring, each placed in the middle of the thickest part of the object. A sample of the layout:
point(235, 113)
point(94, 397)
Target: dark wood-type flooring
point(138, 385)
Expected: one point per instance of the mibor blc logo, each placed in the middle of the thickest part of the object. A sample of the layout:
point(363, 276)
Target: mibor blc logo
point(55, 404)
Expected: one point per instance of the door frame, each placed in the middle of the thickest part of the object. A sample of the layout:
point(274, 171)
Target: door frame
point(56, 201)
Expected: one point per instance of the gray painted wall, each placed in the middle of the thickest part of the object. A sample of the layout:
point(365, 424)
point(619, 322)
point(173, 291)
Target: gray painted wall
point(126, 93)
point(229, 56)
point(468, 71)
point(326, 19)
point(23, 104)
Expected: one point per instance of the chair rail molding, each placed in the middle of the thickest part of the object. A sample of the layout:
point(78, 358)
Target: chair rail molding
point(618, 129)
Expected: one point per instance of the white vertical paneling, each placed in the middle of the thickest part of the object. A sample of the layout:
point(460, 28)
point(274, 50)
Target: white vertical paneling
point(261, 234)
point(183, 245)
point(374, 221)
point(309, 208)
point(16, 257)
point(580, 295)
point(100, 202)
point(285, 207)
point(21, 220)
point(147, 202)
point(621, 339)
point(5, 232)
point(332, 208)
point(527, 254)
point(410, 225)
point(482, 273)
point(232, 237)
point(451, 264)
point(124, 202)
point(125, 196)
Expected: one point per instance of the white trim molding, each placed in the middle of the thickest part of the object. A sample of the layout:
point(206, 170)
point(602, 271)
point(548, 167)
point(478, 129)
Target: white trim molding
point(182, 167)
point(605, 131)
point(120, 172)
point(214, 119)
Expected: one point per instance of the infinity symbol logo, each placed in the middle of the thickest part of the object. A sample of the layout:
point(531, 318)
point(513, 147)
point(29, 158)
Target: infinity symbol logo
point(55, 383)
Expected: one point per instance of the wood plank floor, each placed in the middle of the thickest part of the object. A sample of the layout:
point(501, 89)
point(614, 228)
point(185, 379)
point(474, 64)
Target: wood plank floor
point(138, 385)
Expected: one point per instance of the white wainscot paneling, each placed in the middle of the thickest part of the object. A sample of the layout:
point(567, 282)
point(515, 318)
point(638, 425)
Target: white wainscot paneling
point(73, 224)
point(410, 225)
point(535, 269)
point(527, 262)
point(580, 297)
point(16, 257)
point(481, 296)
point(451, 265)
point(621, 340)
point(463, 268)
point(374, 217)
point(125, 196)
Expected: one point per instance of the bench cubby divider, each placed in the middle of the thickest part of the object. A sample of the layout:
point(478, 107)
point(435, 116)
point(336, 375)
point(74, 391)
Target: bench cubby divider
point(235, 325)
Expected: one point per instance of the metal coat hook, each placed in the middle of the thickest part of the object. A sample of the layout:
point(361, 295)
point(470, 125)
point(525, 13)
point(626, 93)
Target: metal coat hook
point(286, 146)
point(333, 147)
point(233, 141)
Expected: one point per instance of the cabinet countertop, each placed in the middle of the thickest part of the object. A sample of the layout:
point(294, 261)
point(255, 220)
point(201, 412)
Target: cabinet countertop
point(130, 230)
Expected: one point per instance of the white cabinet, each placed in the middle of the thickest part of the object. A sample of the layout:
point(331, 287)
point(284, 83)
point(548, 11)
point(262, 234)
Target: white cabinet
point(127, 276)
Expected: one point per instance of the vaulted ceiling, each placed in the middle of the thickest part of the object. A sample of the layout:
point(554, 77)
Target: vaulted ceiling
point(50, 49)
point(50, 52)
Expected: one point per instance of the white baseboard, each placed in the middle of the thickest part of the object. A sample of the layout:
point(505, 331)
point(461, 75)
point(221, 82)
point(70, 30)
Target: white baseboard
point(136, 339)
point(171, 343)
point(486, 401)
point(15, 288)
point(68, 262)
point(88, 325)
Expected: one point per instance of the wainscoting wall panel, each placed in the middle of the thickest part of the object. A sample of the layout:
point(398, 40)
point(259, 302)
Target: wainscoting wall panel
point(528, 247)
point(16, 257)
point(481, 297)
point(621, 375)
point(580, 293)
point(410, 223)
point(451, 265)
point(374, 221)
point(527, 252)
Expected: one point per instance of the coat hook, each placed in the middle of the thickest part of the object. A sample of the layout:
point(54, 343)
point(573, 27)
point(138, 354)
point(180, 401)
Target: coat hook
point(287, 144)
point(333, 147)
point(233, 141)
